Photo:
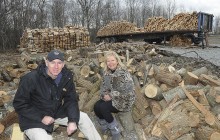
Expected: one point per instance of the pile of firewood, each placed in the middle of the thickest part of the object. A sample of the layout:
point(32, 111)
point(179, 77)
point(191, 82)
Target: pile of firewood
point(178, 40)
point(155, 24)
point(172, 103)
point(46, 39)
point(117, 27)
point(182, 21)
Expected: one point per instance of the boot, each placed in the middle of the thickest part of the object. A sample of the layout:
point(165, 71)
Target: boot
point(103, 125)
point(115, 131)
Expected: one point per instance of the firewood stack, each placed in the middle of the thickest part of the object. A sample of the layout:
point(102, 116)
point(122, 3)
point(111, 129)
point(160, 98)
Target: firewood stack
point(182, 21)
point(178, 40)
point(164, 108)
point(69, 37)
point(155, 24)
point(117, 27)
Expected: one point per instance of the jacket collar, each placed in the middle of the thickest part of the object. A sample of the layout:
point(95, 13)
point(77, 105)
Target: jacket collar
point(42, 70)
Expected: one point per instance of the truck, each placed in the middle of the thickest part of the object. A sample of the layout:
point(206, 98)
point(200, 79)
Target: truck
point(205, 24)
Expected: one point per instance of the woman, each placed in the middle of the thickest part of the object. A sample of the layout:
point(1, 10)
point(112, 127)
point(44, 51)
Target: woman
point(117, 94)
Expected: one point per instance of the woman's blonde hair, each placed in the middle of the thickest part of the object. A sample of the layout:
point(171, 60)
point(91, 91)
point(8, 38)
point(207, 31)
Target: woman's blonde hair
point(112, 53)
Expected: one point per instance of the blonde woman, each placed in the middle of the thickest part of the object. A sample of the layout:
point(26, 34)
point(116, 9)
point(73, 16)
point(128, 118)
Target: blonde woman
point(116, 95)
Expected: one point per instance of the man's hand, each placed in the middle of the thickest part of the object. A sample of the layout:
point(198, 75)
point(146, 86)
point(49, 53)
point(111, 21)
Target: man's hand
point(47, 120)
point(71, 128)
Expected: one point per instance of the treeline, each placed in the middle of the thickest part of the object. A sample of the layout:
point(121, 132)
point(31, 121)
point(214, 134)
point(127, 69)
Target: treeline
point(17, 15)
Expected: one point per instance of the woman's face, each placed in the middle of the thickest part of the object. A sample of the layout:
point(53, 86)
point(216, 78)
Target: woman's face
point(112, 62)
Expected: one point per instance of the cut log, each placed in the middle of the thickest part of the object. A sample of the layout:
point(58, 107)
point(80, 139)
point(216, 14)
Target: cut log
point(202, 98)
point(127, 123)
point(177, 123)
point(182, 72)
point(211, 97)
point(96, 87)
point(204, 133)
point(209, 80)
point(156, 130)
point(2, 128)
point(168, 78)
point(154, 92)
point(21, 63)
point(9, 119)
point(170, 94)
point(16, 133)
point(140, 132)
point(6, 76)
point(138, 114)
point(217, 98)
point(84, 83)
point(209, 117)
point(190, 136)
point(155, 107)
point(140, 103)
point(202, 70)
point(32, 66)
point(85, 70)
point(191, 79)
point(215, 136)
point(90, 104)
point(82, 99)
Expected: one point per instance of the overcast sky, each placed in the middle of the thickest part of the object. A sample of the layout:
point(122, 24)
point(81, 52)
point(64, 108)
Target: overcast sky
point(207, 6)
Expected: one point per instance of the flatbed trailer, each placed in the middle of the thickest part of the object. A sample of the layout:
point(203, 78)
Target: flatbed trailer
point(205, 22)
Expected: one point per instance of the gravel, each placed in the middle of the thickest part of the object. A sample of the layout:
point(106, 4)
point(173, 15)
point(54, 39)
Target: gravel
point(211, 54)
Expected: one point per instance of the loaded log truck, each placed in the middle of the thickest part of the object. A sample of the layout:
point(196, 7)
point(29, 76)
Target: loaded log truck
point(197, 36)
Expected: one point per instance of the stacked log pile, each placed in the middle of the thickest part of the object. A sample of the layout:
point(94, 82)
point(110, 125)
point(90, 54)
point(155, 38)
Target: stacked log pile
point(46, 39)
point(182, 21)
point(165, 106)
point(155, 24)
point(117, 28)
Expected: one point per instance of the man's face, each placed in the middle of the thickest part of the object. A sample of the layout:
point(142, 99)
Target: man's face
point(54, 67)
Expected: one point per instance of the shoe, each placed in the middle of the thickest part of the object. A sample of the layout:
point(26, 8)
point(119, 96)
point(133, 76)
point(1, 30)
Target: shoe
point(115, 131)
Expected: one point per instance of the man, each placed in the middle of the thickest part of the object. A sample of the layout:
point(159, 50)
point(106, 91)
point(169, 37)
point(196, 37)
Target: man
point(47, 96)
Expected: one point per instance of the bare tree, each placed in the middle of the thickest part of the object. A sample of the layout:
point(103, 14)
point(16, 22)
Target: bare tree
point(153, 7)
point(58, 13)
point(145, 11)
point(8, 25)
point(170, 8)
point(131, 9)
point(74, 13)
point(41, 15)
point(86, 8)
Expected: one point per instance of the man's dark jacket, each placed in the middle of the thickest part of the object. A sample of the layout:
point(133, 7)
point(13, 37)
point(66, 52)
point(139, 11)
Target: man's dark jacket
point(38, 96)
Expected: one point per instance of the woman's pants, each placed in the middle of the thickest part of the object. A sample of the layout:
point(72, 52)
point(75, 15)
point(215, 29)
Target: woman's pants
point(103, 110)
